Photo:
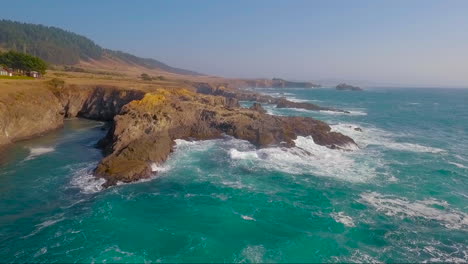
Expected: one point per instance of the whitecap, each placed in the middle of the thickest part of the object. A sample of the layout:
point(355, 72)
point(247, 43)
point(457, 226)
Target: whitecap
point(403, 208)
point(340, 217)
point(38, 151)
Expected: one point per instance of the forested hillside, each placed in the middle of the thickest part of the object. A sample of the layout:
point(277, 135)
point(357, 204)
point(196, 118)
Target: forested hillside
point(61, 47)
point(52, 44)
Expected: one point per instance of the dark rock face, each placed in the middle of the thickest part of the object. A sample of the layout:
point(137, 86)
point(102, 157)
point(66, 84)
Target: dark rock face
point(145, 130)
point(344, 86)
point(96, 102)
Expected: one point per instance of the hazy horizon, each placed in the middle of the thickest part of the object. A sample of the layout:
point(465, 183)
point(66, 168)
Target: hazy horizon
point(393, 43)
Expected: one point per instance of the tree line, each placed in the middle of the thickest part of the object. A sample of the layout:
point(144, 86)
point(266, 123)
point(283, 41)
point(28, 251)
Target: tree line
point(22, 62)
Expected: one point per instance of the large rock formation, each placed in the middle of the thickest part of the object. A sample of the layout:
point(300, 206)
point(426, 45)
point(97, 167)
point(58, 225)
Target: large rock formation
point(344, 87)
point(144, 131)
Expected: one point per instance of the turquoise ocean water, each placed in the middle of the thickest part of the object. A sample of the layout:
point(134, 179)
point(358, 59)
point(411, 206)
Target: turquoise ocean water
point(401, 197)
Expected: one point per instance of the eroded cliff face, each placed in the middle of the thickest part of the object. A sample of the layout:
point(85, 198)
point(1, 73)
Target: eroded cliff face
point(100, 102)
point(32, 110)
point(145, 130)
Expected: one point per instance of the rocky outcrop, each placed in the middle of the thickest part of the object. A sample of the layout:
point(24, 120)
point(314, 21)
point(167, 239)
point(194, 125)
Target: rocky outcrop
point(344, 87)
point(245, 95)
point(283, 103)
point(145, 130)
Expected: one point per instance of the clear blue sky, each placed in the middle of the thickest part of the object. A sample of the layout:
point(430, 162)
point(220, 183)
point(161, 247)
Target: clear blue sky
point(405, 42)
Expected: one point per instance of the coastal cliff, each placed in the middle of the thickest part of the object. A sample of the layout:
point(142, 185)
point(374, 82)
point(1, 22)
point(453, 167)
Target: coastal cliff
point(27, 112)
point(146, 122)
point(35, 108)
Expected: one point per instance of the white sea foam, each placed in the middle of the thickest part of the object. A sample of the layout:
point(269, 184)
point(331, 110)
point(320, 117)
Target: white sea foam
point(340, 217)
point(38, 151)
point(403, 208)
point(309, 158)
point(374, 136)
point(202, 145)
point(86, 181)
point(461, 158)
point(351, 112)
point(235, 154)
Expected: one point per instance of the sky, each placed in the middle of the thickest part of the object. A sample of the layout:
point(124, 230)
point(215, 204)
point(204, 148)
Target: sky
point(375, 42)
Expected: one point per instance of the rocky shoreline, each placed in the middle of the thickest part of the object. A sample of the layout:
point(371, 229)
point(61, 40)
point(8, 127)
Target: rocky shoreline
point(146, 122)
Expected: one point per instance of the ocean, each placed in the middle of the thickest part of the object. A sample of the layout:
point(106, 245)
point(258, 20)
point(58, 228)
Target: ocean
point(402, 196)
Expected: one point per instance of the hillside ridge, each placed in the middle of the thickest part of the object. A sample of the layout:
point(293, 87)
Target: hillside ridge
point(61, 47)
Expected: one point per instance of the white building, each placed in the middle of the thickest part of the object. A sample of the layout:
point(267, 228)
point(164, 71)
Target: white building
point(5, 72)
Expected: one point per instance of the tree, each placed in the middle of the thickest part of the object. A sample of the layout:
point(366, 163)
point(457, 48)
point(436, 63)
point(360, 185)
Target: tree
point(145, 77)
point(23, 62)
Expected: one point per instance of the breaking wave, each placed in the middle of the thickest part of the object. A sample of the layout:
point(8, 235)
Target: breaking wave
point(310, 158)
